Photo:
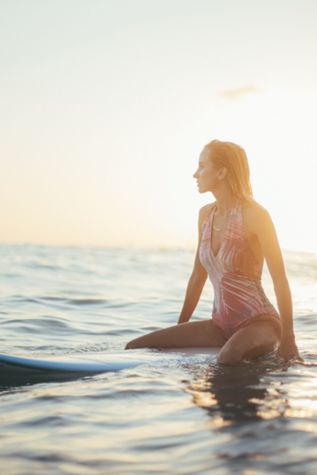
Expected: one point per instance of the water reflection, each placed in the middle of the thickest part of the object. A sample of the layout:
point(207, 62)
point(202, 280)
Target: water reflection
point(239, 393)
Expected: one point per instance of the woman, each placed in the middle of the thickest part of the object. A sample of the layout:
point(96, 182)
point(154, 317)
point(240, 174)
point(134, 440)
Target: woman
point(236, 234)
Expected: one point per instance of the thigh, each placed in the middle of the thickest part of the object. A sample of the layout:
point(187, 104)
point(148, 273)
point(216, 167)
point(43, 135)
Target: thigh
point(192, 334)
point(254, 340)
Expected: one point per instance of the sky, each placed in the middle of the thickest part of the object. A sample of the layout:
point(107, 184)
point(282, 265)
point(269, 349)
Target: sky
point(106, 105)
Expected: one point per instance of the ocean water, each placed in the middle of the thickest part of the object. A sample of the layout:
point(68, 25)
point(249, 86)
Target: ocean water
point(178, 412)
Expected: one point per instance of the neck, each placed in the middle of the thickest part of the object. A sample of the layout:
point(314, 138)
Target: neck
point(224, 201)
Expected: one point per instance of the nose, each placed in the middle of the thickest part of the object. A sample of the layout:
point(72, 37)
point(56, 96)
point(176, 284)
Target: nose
point(195, 174)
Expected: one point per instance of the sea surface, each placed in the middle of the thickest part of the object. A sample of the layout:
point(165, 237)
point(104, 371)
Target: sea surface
point(177, 412)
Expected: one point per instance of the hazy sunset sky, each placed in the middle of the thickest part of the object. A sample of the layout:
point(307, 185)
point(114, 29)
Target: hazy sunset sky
point(106, 104)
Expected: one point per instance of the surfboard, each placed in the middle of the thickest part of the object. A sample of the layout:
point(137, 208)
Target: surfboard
point(20, 370)
point(72, 366)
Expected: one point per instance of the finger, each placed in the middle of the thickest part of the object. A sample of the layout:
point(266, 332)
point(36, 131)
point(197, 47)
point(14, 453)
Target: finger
point(300, 359)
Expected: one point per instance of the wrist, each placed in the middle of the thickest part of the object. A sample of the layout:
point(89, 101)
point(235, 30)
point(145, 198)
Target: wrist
point(288, 335)
point(182, 320)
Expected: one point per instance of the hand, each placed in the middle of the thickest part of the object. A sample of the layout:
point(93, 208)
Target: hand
point(288, 350)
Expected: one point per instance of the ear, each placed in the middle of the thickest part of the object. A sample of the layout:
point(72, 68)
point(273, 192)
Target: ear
point(222, 173)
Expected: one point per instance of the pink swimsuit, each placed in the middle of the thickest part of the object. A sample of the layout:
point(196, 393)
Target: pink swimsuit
point(236, 277)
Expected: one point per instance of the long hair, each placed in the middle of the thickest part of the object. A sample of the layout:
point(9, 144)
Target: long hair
point(234, 159)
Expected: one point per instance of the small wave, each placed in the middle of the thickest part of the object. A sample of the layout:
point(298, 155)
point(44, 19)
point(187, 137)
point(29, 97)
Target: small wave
point(31, 325)
point(61, 302)
point(91, 301)
point(18, 298)
point(50, 267)
point(53, 421)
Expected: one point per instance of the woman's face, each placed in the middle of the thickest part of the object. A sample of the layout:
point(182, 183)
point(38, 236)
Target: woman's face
point(207, 175)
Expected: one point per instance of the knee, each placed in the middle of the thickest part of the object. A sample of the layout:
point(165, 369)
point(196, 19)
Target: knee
point(136, 343)
point(229, 357)
point(130, 345)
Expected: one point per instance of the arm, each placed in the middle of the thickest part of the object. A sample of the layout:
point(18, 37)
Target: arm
point(266, 234)
point(198, 276)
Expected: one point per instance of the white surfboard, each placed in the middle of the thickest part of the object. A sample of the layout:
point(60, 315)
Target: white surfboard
point(71, 366)
point(18, 370)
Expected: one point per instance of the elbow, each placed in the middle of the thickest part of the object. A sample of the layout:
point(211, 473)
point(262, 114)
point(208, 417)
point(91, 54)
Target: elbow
point(280, 281)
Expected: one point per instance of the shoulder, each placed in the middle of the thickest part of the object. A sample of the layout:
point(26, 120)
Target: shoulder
point(205, 211)
point(255, 215)
point(255, 210)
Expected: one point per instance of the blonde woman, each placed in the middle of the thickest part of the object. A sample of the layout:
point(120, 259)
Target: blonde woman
point(236, 234)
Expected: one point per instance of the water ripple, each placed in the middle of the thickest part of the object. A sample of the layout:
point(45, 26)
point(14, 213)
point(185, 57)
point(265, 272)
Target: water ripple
point(176, 412)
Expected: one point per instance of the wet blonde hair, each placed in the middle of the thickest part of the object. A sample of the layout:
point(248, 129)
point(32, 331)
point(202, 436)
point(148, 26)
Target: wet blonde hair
point(234, 159)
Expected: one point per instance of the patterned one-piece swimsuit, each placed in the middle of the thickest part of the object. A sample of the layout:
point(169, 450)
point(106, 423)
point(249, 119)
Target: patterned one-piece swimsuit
point(235, 274)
